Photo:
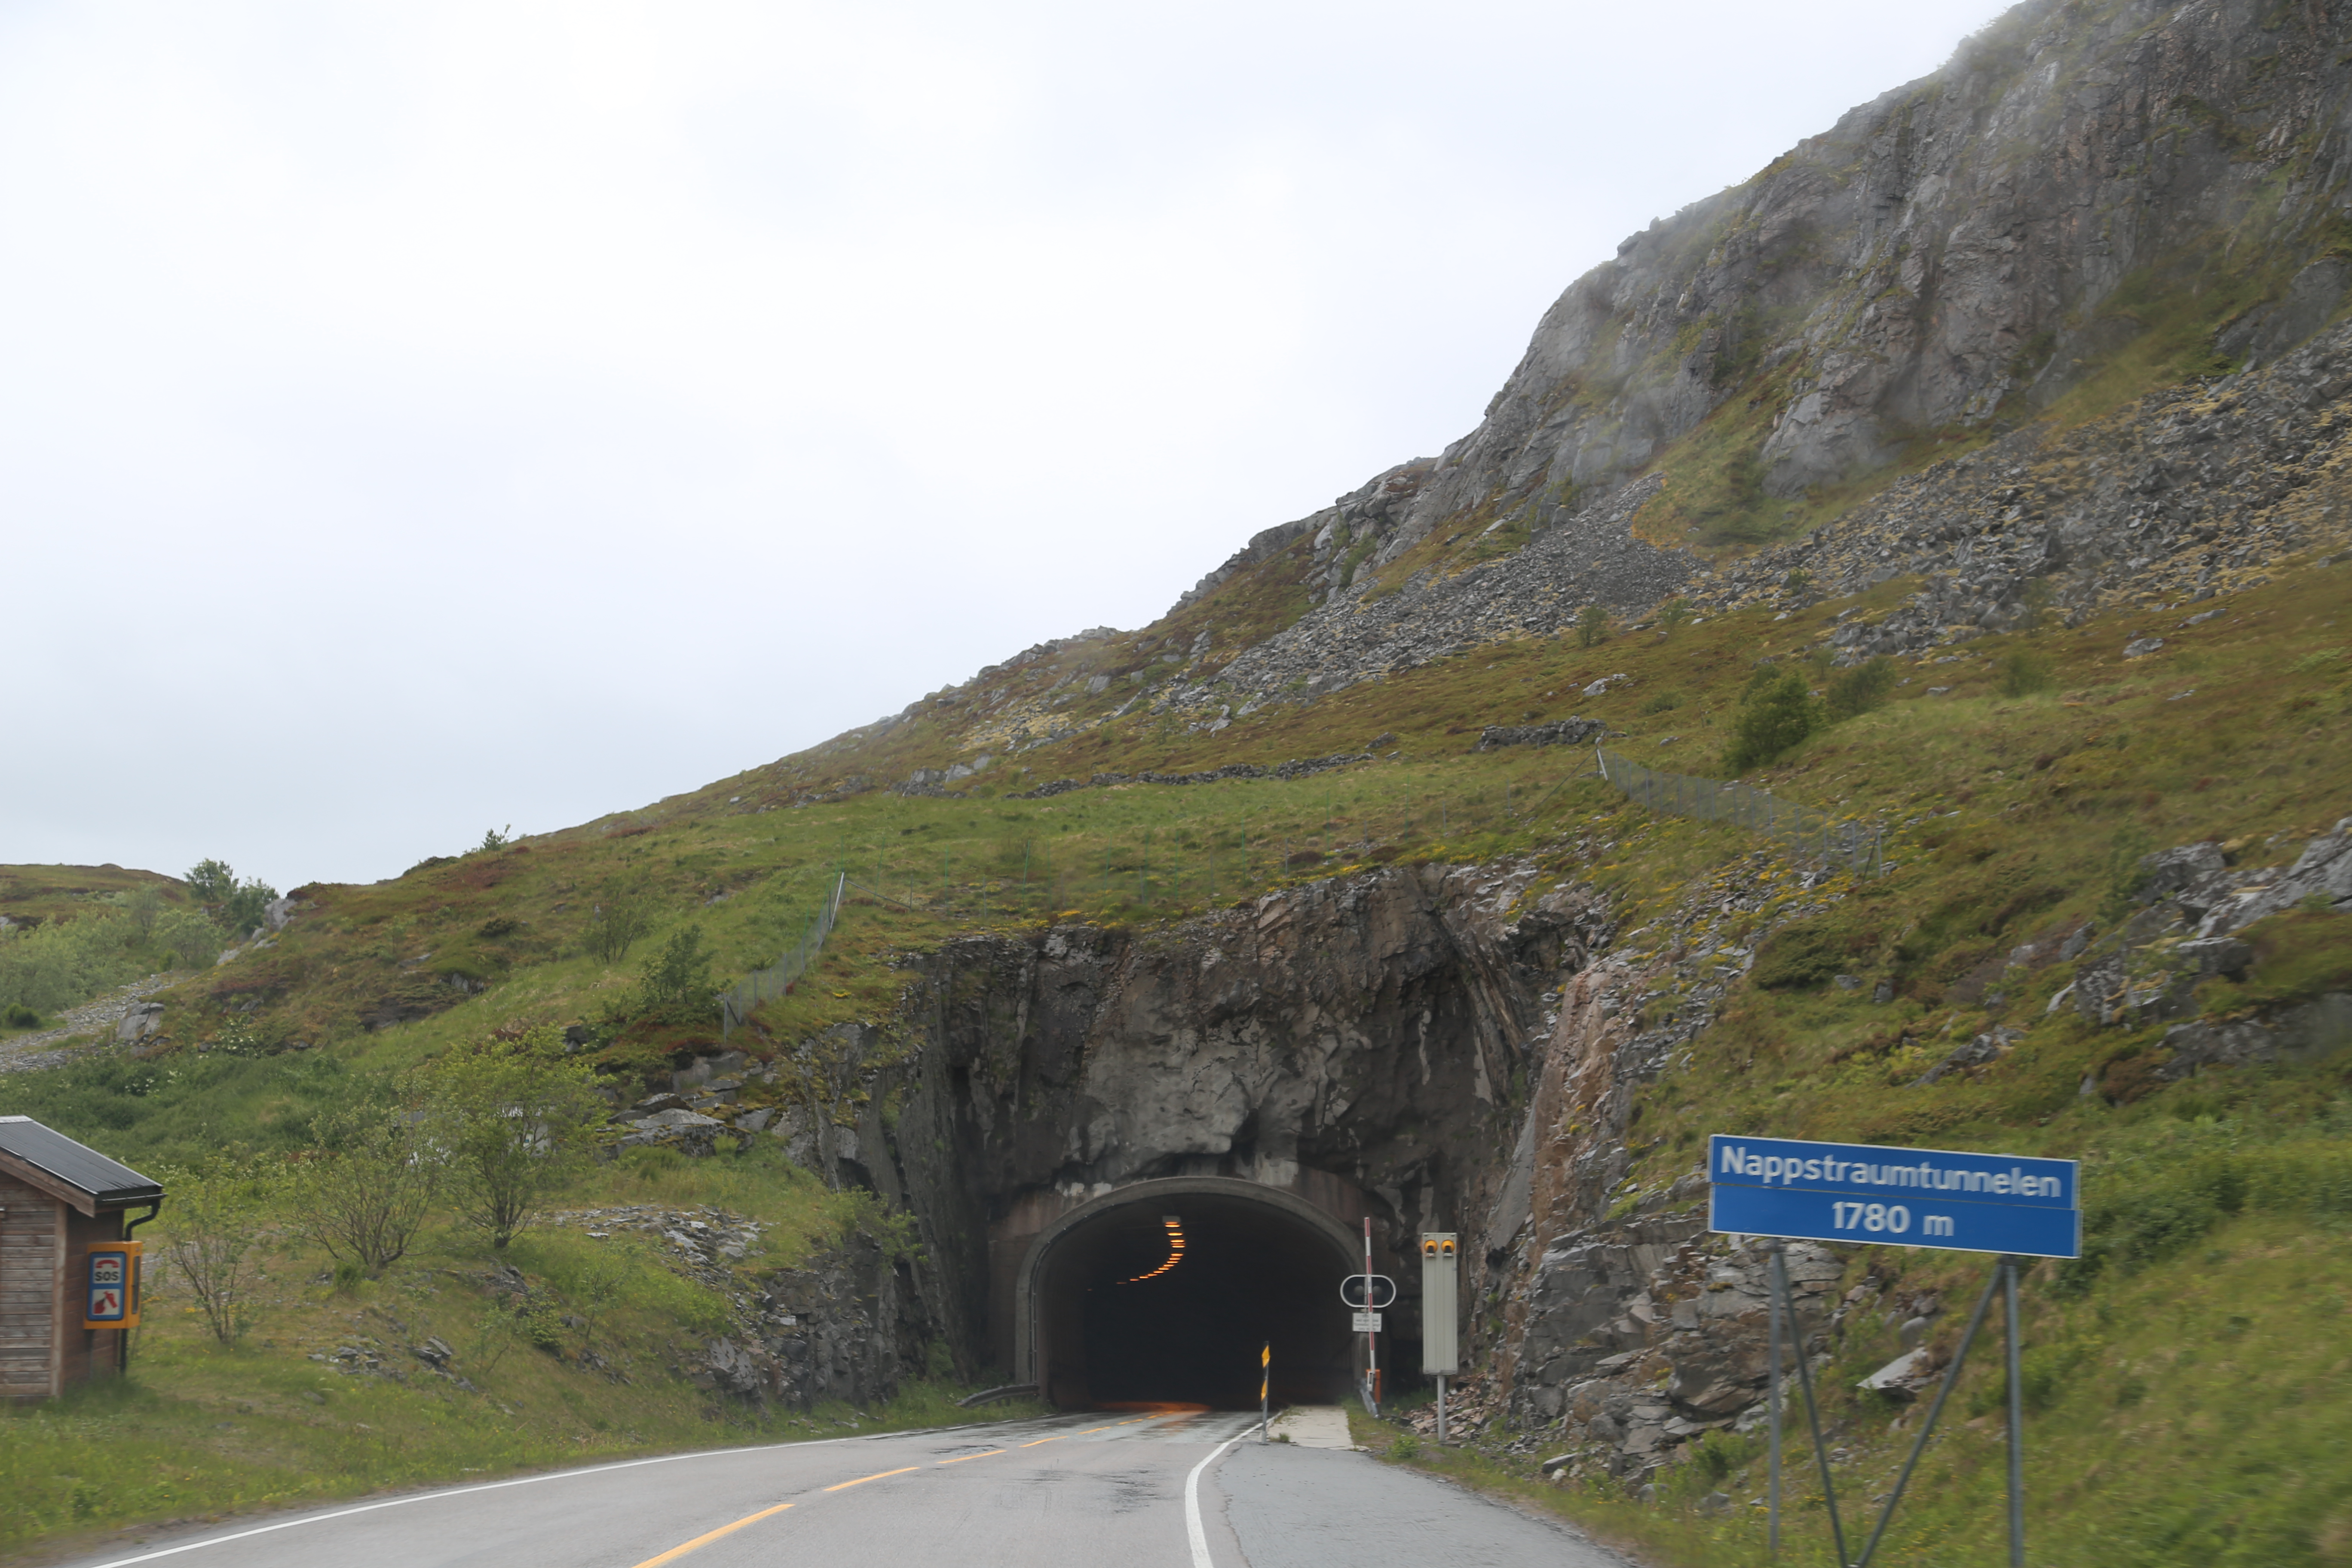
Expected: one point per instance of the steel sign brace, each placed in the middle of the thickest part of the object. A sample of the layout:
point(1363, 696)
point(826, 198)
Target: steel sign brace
point(1441, 1410)
point(1812, 1404)
point(1772, 1408)
point(2012, 1328)
point(1927, 1428)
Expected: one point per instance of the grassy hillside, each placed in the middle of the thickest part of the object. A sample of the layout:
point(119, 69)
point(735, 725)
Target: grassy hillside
point(2010, 815)
point(562, 1350)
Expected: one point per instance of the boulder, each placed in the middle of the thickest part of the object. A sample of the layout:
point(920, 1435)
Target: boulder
point(2169, 871)
point(144, 1018)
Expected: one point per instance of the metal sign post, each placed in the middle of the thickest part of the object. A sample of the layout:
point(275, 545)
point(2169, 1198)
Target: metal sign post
point(1370, 1325)
point(1368, 1293)
point(1441, 1347)
point(1775, 1189)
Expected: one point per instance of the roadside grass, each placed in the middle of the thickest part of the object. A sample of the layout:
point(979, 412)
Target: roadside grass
point(201, 1431)
point(2173, 1415)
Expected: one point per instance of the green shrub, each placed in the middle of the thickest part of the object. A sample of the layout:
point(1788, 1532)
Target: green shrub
point(2160, 1206)
point(1861, 688)
point(241, 907)
point(623, 911)
point(2025, 672)
point(512, 1126)
point(1775, 715)
point(20, 1016)
point(540, 1321)
point(2123, 872)
point(1592, 626)
point(1802, 954)
point(679, 980)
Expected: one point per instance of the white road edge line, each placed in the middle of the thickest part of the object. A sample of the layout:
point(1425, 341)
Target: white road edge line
point(1200, 1537)
point(489, 1487)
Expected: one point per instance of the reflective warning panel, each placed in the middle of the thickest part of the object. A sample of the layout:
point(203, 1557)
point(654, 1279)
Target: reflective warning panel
point(1441, 1339)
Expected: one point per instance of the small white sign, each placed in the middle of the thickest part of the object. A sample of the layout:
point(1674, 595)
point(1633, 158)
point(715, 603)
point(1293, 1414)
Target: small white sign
point(1367, 1323)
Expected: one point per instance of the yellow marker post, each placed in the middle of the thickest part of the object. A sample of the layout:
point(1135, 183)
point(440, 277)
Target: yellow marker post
point(1264, 1381)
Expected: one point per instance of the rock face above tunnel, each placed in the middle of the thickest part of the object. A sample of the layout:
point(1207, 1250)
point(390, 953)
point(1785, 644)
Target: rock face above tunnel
point(1364, 1043)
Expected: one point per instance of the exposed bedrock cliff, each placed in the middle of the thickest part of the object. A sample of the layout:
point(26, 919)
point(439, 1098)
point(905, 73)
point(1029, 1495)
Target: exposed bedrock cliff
point(1957, 240)
point(1364, 1044)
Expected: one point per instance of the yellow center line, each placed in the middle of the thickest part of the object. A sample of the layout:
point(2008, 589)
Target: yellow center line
point(959, 1459)
point(859, 1482)
point(675, 1553)
point(1053, 1439)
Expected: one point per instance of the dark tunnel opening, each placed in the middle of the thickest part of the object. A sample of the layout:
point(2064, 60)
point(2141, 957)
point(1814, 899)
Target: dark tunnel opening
point(1136, 1310)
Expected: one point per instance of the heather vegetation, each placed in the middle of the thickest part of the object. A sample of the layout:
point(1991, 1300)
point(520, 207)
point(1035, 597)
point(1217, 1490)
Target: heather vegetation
point(2009, 812)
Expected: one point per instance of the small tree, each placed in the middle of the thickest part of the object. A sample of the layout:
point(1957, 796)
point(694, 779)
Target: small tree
point(214, 1222)
point(367, 1197)
point(2041, 598)
point(1592, 625)
point(679, 980)
point(494, 840)
point(1797, 582)
point(620, 918)
point(510, 1125)
point(212, 882)
point(1672, 618)
point(144, 905)
point(239, 906)
point(189, 937)
point(247, 910)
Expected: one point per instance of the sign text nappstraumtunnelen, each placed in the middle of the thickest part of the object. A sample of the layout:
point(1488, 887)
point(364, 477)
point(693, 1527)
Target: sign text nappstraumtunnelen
point(1940, 1198)
point(1862, 1168)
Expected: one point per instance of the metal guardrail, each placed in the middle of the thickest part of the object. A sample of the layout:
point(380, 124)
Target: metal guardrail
point(1848, 841)
point(737, 1001)
point(1003, 1391)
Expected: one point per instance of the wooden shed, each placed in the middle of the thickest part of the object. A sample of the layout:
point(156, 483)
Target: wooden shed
point(69, 1268)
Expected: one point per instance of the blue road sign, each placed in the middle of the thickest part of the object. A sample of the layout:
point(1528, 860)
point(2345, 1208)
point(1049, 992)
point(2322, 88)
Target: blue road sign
point(1898, 1197)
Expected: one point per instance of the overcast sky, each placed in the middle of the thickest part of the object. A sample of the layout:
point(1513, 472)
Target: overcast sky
point(416, 418)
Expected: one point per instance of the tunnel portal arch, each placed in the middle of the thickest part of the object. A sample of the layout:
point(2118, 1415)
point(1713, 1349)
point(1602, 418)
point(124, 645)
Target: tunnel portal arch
point(1271, 1258)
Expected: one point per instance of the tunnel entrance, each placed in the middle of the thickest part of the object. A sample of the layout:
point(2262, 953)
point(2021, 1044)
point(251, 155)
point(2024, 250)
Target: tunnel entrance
point(1166, 1292)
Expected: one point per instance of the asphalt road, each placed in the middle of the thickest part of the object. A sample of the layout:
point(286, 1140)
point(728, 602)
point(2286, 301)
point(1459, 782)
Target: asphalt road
point(1159, 1489)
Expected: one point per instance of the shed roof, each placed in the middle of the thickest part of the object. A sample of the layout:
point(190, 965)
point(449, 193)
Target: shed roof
point(74, 1171)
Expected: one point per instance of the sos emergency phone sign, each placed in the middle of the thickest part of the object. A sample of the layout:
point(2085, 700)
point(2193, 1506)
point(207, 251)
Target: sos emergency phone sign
point(111, 1299)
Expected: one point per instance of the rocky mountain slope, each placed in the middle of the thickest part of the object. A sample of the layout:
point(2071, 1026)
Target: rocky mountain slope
point(2025, 378)
point(2030, 271)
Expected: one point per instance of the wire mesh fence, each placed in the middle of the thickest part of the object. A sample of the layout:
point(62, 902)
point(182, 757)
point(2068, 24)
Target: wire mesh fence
point(737, 1001)
point(1847, 841)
